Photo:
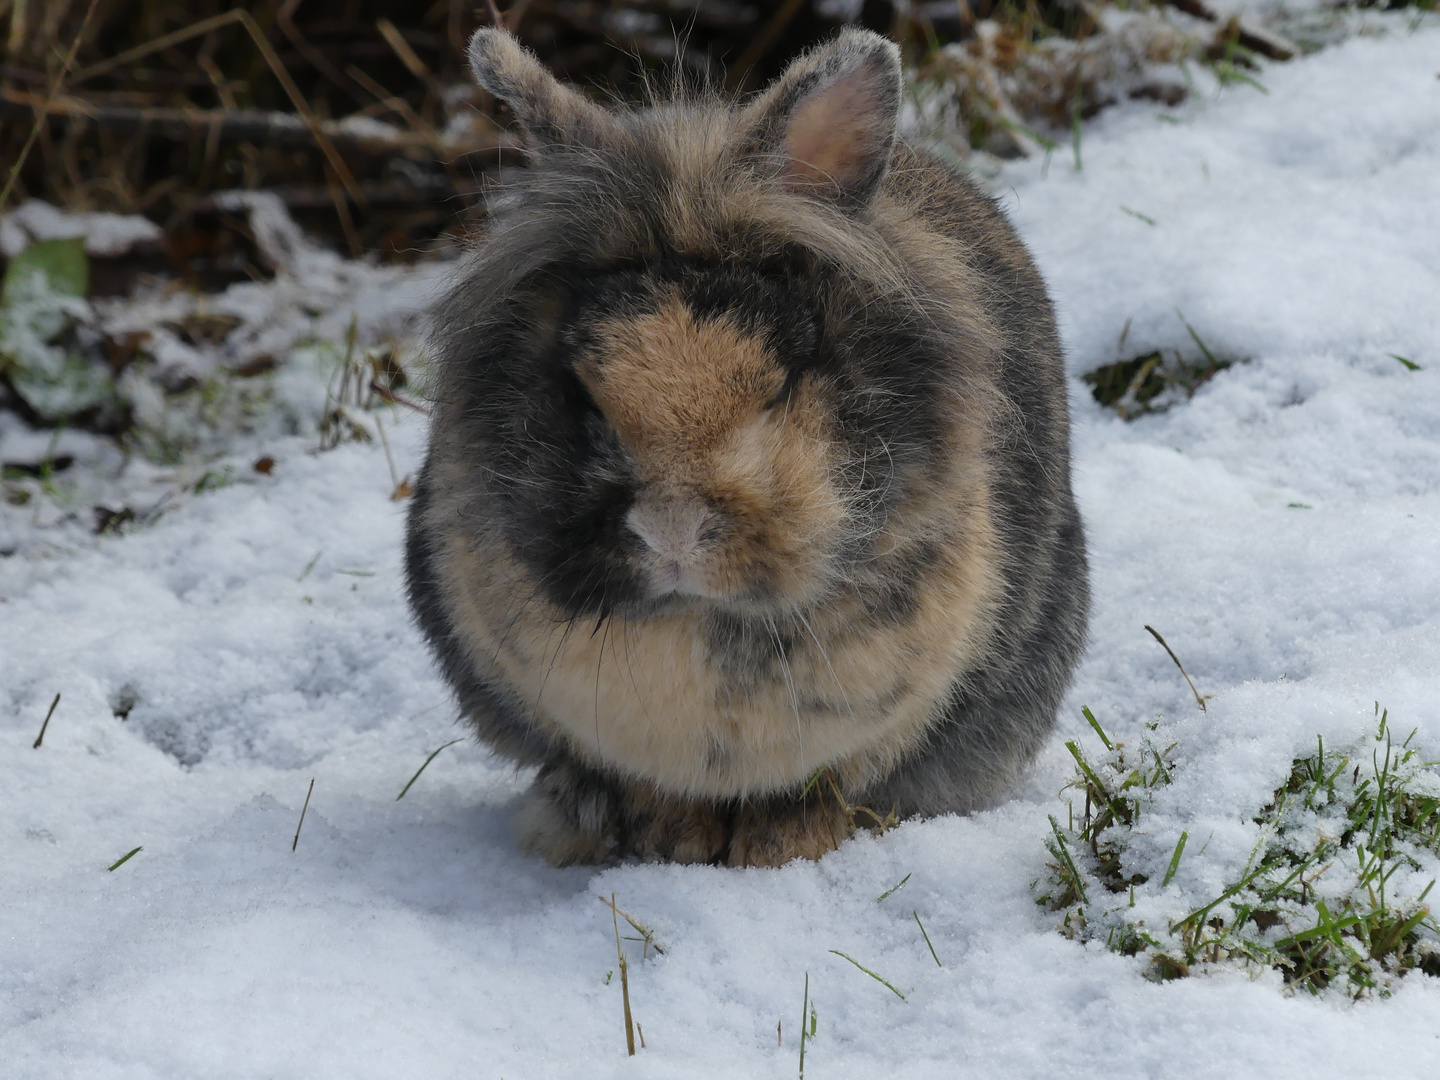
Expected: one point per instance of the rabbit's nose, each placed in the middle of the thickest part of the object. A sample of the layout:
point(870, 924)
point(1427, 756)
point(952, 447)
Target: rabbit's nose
point(673, 527)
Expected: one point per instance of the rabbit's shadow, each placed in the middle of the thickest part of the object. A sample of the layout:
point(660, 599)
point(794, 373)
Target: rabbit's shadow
point(462, 862)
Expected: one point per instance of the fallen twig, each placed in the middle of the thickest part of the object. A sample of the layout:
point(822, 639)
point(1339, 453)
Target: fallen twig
point(284, 18)
point(407, 55)
point(399, 489)
point(624, 978)
point(646, 934)
point(49, 713)
point(395, 399)
point(253, 125)
point(1264, 42)
point(1198, 699)
point(295, 843)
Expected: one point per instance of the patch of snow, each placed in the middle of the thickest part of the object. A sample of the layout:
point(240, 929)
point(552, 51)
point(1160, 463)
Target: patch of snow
point(104, 234)
point(367, 127)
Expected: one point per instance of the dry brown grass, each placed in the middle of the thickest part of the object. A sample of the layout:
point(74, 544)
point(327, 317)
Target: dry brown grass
point(358, 113)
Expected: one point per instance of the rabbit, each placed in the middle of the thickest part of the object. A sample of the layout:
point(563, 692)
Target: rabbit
point(746, 517)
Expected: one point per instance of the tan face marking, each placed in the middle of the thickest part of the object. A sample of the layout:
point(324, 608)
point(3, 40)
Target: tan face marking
point(736, 499)
point(673, 387)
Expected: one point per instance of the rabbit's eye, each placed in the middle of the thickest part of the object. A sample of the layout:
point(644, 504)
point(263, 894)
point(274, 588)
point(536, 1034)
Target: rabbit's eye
point(787, 388)
point(799, 343)
point(576, 395)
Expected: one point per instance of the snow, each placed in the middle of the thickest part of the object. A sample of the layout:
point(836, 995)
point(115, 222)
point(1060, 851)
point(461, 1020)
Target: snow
point(1295, 229)
point(315, 296)
point(104, 234)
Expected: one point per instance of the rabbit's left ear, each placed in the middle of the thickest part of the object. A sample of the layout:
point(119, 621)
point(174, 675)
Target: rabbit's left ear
point(552, 113)
point(828, 123)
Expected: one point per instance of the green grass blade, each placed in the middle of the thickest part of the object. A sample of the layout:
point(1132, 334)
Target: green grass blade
point(125, 858)
point(422, 768)
point(1075, 131)
point(1100, 792)
point(892, 889)
point(1146, 218)
point(1090, 716)
point(927, 938)
point(1198, 340)
point(804, 1015)
point(310, 566)
point(1175, 859)
point(814, 779)
point(1062, 852)
point(867, 971)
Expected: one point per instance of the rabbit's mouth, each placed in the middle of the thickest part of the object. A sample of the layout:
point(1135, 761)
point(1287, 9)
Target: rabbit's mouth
point(677, 534)
point(688, 546)
point(677, 577)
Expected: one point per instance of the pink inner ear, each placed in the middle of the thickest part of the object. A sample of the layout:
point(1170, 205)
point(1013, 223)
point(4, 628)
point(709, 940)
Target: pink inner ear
point(835, 133)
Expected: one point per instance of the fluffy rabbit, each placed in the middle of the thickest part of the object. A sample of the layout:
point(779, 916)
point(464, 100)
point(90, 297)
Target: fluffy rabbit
point(747, 512)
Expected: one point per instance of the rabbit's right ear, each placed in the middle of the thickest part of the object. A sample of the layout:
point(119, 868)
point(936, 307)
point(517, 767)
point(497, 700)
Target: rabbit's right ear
point(827, 125)
point(553, 114)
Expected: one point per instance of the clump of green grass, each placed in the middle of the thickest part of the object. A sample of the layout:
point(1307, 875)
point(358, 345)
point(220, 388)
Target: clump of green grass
point(214, 480)
point(1326, 896)
point(1154, 381)
point(1119, 788)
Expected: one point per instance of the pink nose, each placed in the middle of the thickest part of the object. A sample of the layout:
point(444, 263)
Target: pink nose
point(671, 526)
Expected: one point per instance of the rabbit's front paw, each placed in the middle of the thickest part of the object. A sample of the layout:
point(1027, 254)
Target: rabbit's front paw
point(678, 830)
point(540, 827)
point(773, 832)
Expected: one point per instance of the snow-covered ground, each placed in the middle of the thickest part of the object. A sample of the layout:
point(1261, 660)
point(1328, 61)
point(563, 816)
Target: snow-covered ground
point(1282, 529)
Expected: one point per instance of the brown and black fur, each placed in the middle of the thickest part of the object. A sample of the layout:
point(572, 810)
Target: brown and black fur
point(750, 459)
